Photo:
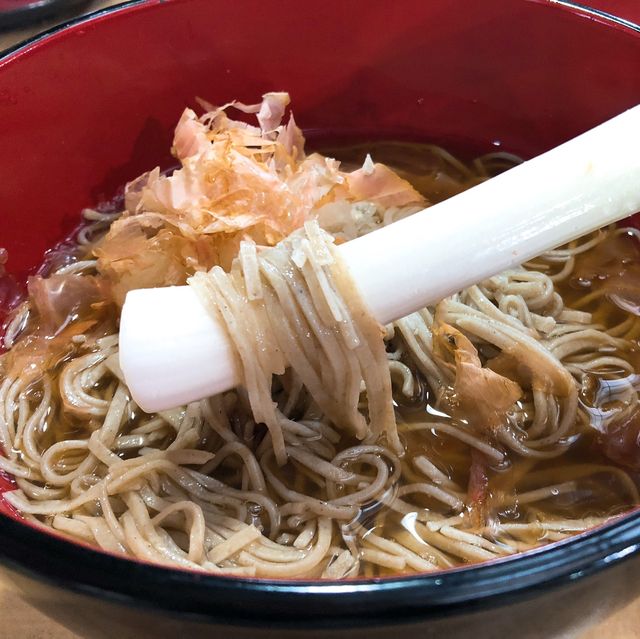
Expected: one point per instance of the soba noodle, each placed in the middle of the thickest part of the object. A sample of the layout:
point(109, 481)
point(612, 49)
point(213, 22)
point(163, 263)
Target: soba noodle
point(464, 432)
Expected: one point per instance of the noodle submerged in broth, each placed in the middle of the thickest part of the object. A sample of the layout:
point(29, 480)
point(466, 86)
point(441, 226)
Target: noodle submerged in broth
point(500, 419)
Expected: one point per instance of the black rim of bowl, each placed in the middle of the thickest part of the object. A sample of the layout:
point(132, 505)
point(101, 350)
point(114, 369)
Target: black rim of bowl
point(243, 601)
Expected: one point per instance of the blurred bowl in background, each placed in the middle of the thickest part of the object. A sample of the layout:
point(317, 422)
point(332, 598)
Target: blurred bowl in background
point(19, 13)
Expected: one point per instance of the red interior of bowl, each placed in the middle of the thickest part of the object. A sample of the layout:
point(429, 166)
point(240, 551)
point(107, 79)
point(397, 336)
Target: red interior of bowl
point(88, 108)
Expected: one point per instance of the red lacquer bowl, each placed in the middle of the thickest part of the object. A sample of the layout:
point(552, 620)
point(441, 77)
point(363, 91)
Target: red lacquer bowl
point(85, 108)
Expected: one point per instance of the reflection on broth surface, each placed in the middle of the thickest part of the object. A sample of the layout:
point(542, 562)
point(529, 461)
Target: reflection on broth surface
point(515, 418)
